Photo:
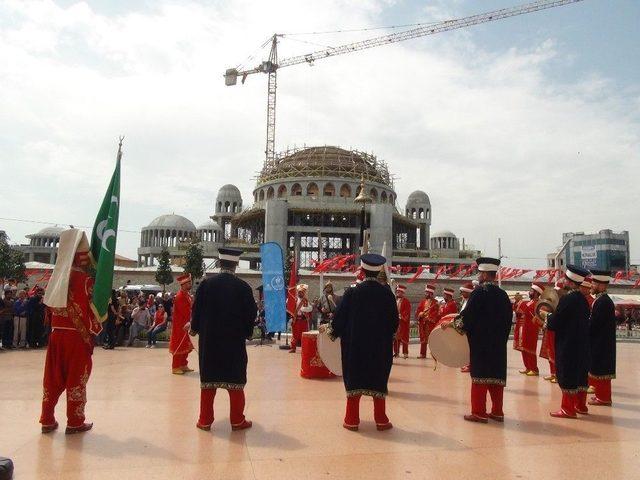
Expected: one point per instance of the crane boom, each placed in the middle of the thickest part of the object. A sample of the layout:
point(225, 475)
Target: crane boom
point(272, 65)
point(425, 30)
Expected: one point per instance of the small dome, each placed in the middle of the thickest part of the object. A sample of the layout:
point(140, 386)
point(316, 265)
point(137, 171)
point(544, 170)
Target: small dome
point(443, 234)
point(210, 225)
point(48, 232)
point(418, 197)
point(229, 191)
point(172, 221)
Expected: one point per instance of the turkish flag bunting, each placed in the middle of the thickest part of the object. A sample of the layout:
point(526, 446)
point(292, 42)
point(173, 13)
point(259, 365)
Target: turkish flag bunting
point(417, 274)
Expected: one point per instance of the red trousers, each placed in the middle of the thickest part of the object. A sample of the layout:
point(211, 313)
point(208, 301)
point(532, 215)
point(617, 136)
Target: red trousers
point(352, 415)
point(602, 388)
point(396, 347)
point(67, 367)
point(479, 399)
point(580, 400)
point(568, 404)
point(236, 400)
point(530, 361)
point(298, 327)
point(180, 360)
point(424, 329)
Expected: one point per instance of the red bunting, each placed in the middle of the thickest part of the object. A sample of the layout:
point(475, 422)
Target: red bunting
point(419, 270)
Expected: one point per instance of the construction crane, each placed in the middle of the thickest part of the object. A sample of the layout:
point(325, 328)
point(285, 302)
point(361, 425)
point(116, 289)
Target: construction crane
point(272, 65)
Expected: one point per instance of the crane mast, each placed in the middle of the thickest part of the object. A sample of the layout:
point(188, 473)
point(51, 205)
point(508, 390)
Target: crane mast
point(271, 66)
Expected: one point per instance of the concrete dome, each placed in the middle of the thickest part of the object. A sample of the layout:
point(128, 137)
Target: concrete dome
point(418, 197)
point(210, 225)
point(327, 161)
point(48, 232)
point(228, 201)
point(173, 221)
point(229, 191)
point(444, 234)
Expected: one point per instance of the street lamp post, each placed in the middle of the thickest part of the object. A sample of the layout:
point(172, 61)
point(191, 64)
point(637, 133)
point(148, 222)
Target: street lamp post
point(362, 199)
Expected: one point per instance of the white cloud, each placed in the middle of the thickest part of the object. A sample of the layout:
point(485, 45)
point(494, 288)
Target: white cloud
point(501, 147)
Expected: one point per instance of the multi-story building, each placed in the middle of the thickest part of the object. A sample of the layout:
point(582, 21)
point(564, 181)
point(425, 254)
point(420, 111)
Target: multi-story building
point(604, 250)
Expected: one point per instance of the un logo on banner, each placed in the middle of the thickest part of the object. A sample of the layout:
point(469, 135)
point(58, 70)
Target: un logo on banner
point(277, 283)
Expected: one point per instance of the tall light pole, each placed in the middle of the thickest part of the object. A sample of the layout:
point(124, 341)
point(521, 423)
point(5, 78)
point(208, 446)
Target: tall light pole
point(362, 199)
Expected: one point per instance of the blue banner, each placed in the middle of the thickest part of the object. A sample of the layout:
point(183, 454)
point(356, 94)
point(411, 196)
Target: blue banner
point(273, 287)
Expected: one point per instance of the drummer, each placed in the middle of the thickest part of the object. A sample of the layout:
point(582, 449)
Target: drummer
point(366, 320)
point(486, 319)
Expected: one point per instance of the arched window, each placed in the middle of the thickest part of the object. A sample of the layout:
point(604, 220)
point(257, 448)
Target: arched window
point(428, 214)
point(227, 206)
point(312, 190)
point(270, 193)
point(413, 213)
point(235, 207)
point(345, 191)
point(391, 199)
point(219, 206)
point(329, 190)
point(383, 199)
point(282, 191)
point(421, 213)
point(296, 190)
point(374, 194)
point(261, 195)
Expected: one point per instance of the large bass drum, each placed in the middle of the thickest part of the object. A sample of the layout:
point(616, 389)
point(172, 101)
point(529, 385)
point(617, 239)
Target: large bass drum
point(448, 346)
point(330, 353)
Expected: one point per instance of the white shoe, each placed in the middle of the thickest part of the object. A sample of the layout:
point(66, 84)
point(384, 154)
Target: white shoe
point(147, 346)
point(152, 346)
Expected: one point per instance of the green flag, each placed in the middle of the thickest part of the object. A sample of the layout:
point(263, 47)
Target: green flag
point(103, 243)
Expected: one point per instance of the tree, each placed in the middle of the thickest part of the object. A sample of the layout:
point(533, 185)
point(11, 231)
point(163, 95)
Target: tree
point(193, 260)
point(11, 262)
point(164, 276)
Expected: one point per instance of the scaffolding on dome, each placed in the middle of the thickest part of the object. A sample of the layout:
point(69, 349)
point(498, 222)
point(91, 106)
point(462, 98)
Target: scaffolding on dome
point(327, 161)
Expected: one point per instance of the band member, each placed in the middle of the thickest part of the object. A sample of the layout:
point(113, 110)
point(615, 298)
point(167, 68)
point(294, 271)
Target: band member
point(585, 289)
point(301, 317)
point(427, 315)
point(525, 338)
point(328, 304)
point(180, 344)
point(224, 312)
point(73, 325)
point(404, 319)
point(366, 321)
point(548, 343)
point(465, 292)
point(449, 306)
point(486, 320)
point(570, 323)
point(602, 333)
point(519, 317)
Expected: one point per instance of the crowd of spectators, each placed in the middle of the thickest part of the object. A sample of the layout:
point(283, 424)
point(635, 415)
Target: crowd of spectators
point(131, 315)
point(22, 317)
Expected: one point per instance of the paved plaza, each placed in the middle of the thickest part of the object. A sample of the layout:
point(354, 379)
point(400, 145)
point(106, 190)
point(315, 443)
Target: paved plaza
point(144, 425)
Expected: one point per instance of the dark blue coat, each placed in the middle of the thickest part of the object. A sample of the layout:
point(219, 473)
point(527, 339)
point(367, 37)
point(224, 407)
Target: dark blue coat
point(570, 321)
point(223, 314)
point(486, 319)
point(602, 338)
point(366, 320)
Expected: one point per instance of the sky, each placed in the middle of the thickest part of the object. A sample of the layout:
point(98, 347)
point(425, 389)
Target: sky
point(518, 129)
